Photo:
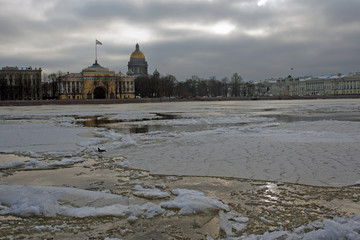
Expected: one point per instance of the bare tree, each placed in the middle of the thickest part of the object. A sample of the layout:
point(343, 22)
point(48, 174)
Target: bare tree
point(236, 81)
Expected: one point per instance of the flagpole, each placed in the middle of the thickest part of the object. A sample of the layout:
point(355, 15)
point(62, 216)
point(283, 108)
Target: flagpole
point(95, 51)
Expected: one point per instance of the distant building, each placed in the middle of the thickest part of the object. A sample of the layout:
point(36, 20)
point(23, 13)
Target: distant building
point(20, 84)
point(137, 66)
point(96, 82)
point(338, 84)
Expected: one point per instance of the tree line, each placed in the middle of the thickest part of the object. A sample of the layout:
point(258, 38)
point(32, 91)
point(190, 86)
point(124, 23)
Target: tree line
point(156, 86)
point(50, 88)
point(167, 86)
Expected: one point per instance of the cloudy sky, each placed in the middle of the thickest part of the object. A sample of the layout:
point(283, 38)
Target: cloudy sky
point(258, 39)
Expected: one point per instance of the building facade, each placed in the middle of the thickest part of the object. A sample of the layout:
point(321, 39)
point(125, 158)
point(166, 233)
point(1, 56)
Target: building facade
point(96, 82)
point(137, 66)
point(20, 84)
point(319, 86)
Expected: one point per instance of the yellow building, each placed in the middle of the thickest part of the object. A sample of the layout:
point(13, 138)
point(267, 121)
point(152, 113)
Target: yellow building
point(97, 82)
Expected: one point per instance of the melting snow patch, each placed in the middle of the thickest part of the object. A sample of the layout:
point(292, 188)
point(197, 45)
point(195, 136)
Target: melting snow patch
point(338, 228)
point(191, 201)
point(229, 222)
point(150, 193)
point(36, 164)
point(50, 201)
point(124, 164)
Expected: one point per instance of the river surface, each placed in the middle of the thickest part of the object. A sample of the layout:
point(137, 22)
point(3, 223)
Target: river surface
point(313, 142)
point(181, 170)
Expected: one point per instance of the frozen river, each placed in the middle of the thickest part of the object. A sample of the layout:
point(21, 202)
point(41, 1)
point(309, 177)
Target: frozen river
point(182, 170)
point(315, 142)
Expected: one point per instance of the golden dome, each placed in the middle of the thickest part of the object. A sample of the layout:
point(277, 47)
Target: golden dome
point(137, 53)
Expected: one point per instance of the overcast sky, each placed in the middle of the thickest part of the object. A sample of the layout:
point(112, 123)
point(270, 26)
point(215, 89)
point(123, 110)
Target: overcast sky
point(258, 39)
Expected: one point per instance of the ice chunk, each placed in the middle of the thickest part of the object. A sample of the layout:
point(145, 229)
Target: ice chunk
point(151, 193)
point(124, 164)
point(37, 164)
point(191, 201)
point(52, 201)
point(338, 228)
point(228, 222)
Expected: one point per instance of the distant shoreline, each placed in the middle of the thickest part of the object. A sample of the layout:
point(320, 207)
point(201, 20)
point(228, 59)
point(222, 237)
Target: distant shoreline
point(158, 100)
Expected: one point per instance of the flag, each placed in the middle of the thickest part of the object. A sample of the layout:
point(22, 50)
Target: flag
point(98, 42)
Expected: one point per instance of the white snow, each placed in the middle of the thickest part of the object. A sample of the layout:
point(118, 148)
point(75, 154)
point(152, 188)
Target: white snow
point(38, 164)
point(149, 193)
point(52, 201)
point(125, 164)
point(231, 224)
point(329, 229)
point(191, 201)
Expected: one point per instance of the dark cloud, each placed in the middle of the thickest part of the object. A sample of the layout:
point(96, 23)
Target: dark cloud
point(180, 37)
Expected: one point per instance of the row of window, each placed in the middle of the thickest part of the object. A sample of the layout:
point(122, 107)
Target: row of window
point(70, 87)
point(76, 87)
point(342, 85)
point(28, 80)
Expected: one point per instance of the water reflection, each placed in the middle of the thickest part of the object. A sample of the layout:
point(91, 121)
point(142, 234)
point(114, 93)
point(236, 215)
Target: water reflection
point(272, 191)
point(127, 126)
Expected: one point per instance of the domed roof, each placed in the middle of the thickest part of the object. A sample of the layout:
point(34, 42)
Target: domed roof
point(137, 53)
point(95, 66)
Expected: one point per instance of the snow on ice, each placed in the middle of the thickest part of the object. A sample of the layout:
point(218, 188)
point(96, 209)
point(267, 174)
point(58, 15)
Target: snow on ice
point(191, 201)
point(48, 201)
point(37, 164)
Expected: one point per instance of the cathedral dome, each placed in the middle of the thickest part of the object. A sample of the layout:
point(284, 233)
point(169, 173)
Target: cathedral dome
point(137, 54)
point(137, 64)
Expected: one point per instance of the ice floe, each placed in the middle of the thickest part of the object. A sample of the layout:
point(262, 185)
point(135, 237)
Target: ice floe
point(149, 193)
point(230, 223)
point(329, 229)
point(51, 201)
point(191, 201)
point(41, 164)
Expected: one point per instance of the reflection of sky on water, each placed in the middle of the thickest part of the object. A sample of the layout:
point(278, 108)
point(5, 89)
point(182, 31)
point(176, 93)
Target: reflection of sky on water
point(272, 191)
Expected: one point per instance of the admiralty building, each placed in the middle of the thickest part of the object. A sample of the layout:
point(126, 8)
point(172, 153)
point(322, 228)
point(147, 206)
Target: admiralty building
point(98, 82)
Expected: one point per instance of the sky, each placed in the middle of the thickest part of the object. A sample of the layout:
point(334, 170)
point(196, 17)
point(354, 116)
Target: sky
point(258, 39)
